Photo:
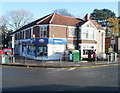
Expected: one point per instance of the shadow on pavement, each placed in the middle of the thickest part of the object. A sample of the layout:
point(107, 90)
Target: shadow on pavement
point(62, 88)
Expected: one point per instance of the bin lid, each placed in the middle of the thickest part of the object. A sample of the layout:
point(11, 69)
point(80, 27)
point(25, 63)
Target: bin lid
point(75, 51)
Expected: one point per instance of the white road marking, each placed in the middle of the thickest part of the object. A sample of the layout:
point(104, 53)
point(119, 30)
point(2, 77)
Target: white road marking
point(61, 69)
point(58, 70)
point(70, 69)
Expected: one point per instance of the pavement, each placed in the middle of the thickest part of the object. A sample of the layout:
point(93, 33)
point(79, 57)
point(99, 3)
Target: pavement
point(24, 62)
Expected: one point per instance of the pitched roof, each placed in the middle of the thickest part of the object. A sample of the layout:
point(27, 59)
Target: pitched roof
point(54, 19)
point(60, 20)
point(65, 20)
point(98, 26)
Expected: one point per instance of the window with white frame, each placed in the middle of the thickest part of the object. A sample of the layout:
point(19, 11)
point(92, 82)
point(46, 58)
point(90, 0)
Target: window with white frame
point(43, 31)
point(71, 32)
point(91, 34)
point(88, 31)
point(86, 48)
point(85, 34)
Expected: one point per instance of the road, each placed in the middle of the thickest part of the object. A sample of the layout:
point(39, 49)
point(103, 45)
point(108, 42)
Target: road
point(60, 79)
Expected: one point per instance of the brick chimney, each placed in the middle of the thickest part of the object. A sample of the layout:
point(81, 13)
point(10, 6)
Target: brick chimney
point(86, 17)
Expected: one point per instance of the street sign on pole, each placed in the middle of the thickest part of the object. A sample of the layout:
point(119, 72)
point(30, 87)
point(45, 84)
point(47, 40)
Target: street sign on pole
point(112, 41)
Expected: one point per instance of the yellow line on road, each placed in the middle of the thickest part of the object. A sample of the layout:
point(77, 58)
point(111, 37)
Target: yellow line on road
point(94, 66)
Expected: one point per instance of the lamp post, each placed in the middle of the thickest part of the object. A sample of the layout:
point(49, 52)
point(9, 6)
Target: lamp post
point(13, 46)
point(33, 36)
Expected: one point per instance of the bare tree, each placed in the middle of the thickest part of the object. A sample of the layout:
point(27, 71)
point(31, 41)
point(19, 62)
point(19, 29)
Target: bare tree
point(63, 12)
point(12, 21)
point(17, 18)
point(4, 33)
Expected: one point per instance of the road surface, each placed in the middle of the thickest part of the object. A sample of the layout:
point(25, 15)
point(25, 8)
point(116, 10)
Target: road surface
point(60, 79)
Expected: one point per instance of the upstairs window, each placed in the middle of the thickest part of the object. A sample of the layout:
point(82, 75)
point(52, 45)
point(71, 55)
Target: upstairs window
point(85, 34)
point(43, 31)
point(71, 32)
point(91, 34)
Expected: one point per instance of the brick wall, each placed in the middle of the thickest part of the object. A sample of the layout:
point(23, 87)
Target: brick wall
point(88, 41)
point(107, 44)
point(57, 31)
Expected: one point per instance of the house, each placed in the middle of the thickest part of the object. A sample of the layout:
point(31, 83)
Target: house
point(48, 37)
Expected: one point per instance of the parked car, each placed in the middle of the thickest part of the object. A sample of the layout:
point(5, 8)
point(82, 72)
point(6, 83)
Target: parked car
point(101, 56)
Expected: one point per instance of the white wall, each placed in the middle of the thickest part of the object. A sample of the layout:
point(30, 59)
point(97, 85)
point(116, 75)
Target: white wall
point(55, 51)
point(100, 38)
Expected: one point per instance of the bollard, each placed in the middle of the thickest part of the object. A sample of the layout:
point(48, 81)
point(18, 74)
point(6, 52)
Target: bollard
point(108, 59)
point(60, 61)
point(115, 57)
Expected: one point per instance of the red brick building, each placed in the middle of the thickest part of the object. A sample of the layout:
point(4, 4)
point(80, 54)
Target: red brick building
point(55, 33)
point(108, 44)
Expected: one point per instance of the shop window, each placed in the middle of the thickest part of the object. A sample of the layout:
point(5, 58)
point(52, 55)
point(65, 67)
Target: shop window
point(85, 52)
point(31, 50)
point(24, 51)
point(86, 48)
point(41, 51)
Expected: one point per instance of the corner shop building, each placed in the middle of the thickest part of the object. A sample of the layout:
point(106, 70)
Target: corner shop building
point(55, 33)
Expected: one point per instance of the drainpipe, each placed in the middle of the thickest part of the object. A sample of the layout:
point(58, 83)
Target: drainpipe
point(77, 38)
point(66, 35)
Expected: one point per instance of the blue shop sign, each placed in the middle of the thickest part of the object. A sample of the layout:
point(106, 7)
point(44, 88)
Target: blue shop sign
point(40, 42)
point(57, 41)
point(27, 42)
point(44, 41)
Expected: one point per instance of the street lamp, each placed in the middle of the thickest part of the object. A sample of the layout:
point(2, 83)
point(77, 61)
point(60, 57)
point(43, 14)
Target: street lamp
point(13, 46)
point(33, 36)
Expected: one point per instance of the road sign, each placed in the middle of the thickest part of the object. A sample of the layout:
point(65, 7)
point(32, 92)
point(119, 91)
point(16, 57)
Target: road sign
point(112, 39)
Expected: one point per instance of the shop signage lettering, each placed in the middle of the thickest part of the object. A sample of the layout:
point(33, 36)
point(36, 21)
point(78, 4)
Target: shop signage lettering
point(57, 41)
point(41, 40)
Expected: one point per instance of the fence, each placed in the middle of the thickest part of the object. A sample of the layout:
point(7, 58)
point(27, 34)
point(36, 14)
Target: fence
point(62, 61)
point(6, 59)
point(43, 62)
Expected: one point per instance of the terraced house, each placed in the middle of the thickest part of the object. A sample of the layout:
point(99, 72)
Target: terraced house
point(48, 37)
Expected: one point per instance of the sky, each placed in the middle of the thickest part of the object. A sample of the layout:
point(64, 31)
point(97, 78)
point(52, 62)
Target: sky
point(40, 9)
